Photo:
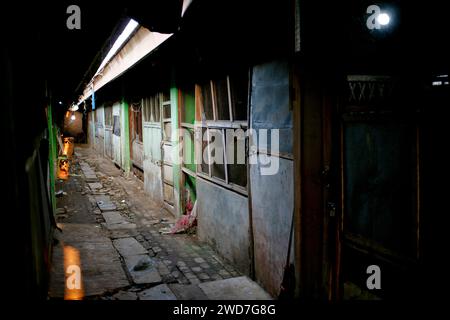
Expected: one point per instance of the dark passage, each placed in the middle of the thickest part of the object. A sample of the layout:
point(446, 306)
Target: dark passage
point(225, 150)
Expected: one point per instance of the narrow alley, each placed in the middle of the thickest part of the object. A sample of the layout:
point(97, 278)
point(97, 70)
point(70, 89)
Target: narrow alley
point(276, 151)
point(124, 246)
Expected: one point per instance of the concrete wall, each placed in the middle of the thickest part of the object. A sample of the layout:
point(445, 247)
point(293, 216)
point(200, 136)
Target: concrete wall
point(223, 222)
point(272, 195)
point(272, 208)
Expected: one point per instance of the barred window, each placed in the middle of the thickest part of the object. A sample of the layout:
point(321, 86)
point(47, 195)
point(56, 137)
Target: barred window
point(151, 109)
point(116, 126)
point(108, 116)
point(223, 108)
point(136, 113)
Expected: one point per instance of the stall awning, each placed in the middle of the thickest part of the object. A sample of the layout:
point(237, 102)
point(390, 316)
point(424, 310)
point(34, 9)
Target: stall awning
point(141, 44)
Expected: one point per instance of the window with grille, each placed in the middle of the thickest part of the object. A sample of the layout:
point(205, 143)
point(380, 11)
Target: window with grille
point(116, 125)
point(108, 116)
point(220, 135)
point(136, 113)
point(151, 109)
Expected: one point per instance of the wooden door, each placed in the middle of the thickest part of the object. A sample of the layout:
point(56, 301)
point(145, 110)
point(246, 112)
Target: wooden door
point(108, 132)
point(379, 216)
point(166, 154)
point(116, 141)
point(136, 139)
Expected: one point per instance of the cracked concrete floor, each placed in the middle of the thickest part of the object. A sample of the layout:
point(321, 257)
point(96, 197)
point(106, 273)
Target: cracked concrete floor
point(111, 230)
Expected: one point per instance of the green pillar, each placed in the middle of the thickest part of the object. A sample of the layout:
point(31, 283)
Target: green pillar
point(125, 137)
point(175, 143)
point(52, 155)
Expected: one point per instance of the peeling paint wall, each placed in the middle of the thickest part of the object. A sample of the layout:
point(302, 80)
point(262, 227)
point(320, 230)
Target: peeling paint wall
point(272, 195)
point(223, 222)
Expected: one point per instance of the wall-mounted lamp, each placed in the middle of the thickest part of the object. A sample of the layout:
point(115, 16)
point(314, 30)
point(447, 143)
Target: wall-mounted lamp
point(383, 19)
point(377, 18)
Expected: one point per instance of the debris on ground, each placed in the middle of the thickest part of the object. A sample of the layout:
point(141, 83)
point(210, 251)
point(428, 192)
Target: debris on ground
point(60, 193)
point(187, 221)
point(165, 230)
point(60, 210)
point(167, 258)
point(143, 264)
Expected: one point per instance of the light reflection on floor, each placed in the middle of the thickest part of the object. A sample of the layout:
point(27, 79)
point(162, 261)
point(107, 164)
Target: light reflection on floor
point(74, 281)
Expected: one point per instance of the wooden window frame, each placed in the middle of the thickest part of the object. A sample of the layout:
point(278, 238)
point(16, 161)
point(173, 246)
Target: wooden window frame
point(166, 120)
point(215, 124)
point(137, 132)
point(108, 117)
point(151, 105)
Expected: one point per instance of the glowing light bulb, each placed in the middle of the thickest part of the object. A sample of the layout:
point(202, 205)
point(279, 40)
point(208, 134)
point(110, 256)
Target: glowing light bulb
point(383, 19)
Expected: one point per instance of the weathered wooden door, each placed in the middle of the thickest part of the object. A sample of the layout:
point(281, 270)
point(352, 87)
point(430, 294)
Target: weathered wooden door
point(136, 139)
point(116, 135)
point(379, 216)
point(108, 132)
point(166, 154)
point(99, 130)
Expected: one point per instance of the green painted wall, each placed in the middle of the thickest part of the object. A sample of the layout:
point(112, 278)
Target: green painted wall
point(189, 149)
point(189, 117)
point(52, 155)
point(125, 136)
point(189, 107)
point(190, 184)
point(176, 148)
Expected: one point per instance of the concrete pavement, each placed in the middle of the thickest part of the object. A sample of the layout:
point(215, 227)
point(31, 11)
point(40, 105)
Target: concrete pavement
point(115, 230)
